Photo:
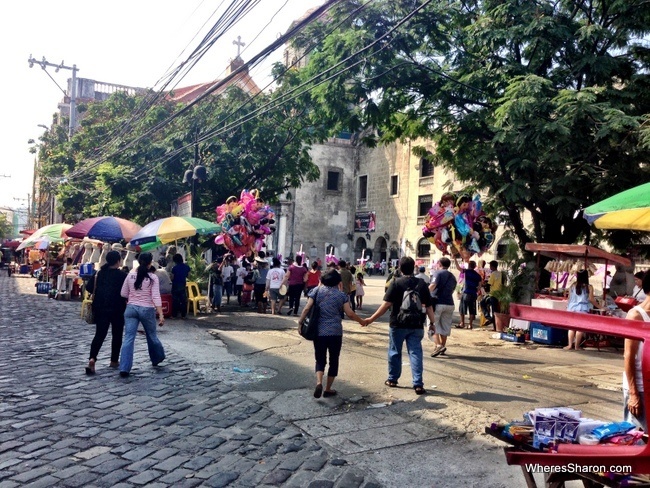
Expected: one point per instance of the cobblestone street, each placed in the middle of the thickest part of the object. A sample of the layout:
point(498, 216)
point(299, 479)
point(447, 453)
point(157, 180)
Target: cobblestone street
point(163, 426)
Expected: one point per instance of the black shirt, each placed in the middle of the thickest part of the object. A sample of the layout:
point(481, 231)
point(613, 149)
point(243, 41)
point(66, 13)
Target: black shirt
point(107, 297)
point(395, 295)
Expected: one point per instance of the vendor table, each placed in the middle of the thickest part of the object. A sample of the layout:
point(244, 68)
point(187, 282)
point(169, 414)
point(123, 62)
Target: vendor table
point(638, 457)
point(557, 479)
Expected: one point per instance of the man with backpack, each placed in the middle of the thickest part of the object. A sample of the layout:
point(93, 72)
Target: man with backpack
point(410, 300)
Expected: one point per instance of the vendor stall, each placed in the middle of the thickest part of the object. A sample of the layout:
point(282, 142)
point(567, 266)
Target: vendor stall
point(554, 299)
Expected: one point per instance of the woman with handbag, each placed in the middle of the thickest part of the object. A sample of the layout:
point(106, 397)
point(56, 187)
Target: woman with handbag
point(108, 309)
point(330, 302)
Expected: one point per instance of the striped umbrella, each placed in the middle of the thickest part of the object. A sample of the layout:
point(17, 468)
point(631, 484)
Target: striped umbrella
point(169, 229)
point(49, 233)
point(106, 229)
point(628, 210)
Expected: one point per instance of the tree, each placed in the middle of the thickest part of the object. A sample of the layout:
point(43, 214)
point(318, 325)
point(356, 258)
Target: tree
point(6, 228)
point(542, 104)
point(130, 162)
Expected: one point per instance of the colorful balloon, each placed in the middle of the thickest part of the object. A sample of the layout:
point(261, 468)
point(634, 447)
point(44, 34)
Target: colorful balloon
point(245, 222)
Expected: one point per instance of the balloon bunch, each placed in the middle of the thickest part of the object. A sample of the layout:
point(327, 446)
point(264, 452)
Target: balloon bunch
point(459, 226)
point(245, 222)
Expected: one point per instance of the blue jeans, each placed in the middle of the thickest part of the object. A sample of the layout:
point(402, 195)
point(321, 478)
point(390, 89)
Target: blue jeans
point(132, 317)
point(413, 338)
point(217, 296)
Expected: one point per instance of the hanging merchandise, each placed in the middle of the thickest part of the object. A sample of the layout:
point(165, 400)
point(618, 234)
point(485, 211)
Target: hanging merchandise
point(245, 222)
point(459, 226)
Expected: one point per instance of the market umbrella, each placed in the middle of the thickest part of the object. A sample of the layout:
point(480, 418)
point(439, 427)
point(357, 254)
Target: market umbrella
point(106, 229)
point(53, 233)
point(628, 210)
point(169, 229)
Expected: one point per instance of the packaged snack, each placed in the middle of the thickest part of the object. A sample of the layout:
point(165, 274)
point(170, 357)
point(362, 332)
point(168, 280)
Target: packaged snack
point(612, 429)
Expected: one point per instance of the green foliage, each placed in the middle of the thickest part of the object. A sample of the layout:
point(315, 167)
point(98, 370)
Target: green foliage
point(6, 228)
point(242, 141)
point(543, 105)
point(198, 271)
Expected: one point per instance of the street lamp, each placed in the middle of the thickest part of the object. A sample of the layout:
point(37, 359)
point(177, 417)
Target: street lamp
point(195, 176)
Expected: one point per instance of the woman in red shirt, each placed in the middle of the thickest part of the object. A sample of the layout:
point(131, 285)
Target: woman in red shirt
point(313, 278)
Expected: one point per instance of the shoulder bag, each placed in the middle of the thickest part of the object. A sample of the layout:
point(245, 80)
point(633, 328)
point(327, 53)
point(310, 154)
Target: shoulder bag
point(309, 328)
point(89, 315)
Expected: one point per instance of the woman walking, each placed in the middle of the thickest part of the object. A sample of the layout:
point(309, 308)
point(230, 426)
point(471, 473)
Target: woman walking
point(108, 308)
point(142, 293)
point(331, 302)
point(581, 298)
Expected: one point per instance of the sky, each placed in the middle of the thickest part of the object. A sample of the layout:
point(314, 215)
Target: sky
point(131, 43)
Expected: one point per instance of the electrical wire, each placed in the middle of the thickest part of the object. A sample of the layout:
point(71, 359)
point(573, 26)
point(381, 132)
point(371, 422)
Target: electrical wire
point(218, 84)
point(235, 12)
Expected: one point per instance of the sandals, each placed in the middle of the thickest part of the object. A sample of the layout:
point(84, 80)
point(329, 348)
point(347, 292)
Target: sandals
point(329, 393)
point(459, 326)
point(392, 384)
point(318, 391)
point(419, 390)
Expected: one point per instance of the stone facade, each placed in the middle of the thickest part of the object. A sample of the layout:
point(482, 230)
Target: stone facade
point(388, 181)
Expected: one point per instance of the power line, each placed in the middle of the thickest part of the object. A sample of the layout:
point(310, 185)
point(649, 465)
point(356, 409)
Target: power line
point(217, 85)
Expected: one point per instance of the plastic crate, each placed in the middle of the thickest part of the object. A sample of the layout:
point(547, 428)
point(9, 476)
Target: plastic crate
point(166, 305)
point(87, 270)
point(513, 338)
point(543, 334)
point(43, 287)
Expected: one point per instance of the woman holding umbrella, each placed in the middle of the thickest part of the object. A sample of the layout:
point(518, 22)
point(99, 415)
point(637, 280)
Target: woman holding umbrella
point(108, 308)
point(142, 291)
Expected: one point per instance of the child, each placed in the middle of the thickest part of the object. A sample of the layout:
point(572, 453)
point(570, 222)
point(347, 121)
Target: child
point(360, 292)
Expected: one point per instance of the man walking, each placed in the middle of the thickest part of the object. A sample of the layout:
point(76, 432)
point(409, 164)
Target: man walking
point(406, 324)
point(471, 283)
point(443, 284)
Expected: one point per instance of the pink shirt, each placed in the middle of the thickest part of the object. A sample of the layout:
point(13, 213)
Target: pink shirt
point(147, 296)
point(296, 274)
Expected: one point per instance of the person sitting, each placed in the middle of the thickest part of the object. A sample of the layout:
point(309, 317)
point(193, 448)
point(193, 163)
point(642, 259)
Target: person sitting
point(489, 304)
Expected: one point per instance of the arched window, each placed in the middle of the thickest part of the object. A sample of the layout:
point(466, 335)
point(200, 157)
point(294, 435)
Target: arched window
point(424, 248)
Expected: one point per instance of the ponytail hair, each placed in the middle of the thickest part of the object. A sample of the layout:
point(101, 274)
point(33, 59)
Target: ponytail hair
point(145, 259)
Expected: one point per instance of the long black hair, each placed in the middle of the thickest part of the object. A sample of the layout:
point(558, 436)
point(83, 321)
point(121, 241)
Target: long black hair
point(582, 282)
point(145, 259)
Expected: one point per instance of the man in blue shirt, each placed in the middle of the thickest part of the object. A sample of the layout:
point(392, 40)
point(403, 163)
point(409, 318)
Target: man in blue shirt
point(179, 275)
point(471, 283)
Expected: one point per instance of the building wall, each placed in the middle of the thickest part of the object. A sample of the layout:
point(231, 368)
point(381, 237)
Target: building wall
point(316, 217)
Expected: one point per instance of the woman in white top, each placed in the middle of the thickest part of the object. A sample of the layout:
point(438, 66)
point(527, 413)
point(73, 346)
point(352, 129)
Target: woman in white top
point(633, 406)
point(581, 298)
point(637, 292)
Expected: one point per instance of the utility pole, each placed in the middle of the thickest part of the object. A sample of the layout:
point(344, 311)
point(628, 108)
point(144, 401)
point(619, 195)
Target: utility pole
point(73, 88)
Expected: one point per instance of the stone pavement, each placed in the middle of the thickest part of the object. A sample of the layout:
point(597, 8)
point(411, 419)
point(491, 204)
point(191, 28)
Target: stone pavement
point(163, 426)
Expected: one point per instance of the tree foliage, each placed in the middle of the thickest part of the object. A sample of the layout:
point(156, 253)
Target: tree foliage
point(128, 162)
point(542, 104)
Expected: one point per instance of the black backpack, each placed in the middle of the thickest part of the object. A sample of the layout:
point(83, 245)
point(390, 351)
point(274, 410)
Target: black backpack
point(410, 312)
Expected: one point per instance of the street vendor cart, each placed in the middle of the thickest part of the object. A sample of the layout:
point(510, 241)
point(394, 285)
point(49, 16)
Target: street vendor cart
point(637, 457)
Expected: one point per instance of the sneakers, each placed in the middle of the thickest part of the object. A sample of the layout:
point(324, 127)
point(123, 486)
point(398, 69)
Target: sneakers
point(438, 351)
